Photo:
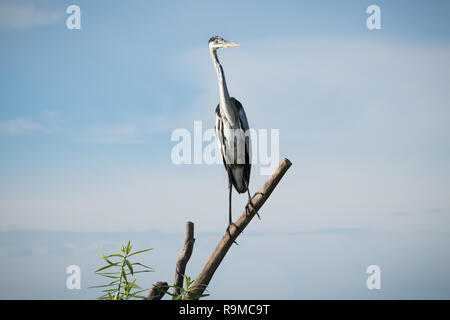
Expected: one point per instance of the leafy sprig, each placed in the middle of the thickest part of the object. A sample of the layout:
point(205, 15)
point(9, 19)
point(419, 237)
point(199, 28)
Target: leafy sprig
point(183, 292)
point(120, 269)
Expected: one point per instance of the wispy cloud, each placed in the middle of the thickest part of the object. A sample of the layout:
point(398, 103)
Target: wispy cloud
point(436, 211)
point(18, 126)
point(111, 133)
point(400, 214)
point(45, 122)
point(22, 16)
point(127, 132)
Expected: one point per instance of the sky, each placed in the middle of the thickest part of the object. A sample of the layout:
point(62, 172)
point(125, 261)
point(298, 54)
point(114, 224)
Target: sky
point(86, 118)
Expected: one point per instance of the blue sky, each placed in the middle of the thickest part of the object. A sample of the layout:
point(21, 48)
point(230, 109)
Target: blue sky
point(86, 117)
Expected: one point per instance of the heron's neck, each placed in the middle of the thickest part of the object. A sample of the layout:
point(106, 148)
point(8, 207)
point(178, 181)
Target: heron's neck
point(223, 91)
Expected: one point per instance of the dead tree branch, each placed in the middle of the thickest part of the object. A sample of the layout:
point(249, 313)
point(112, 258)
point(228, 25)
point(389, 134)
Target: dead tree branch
point(184, 257)
point(225, 243)
point(158, 291)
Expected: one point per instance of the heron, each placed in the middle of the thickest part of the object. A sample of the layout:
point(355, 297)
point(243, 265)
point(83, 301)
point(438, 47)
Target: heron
point(232, 135)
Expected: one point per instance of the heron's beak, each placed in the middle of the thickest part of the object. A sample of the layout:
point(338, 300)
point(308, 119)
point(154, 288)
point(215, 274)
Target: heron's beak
point(231, 44)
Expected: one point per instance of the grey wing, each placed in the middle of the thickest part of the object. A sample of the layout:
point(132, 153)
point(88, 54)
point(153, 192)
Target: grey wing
point(248, 143)
point(218, 129)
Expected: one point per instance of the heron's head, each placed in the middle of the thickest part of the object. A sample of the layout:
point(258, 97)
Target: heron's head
point(217, 42)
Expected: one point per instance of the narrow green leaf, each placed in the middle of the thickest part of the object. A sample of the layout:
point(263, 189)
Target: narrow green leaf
point(140, 264)
point(109, 290)
point(130, 267)
point(141, 271)
point(139, 291)
point(124, 275)
point(103, 256)
point(108, 266)
point(136, 286)
point(137, 252)
point(104, 286)
point(115, 255)
point(108, 276)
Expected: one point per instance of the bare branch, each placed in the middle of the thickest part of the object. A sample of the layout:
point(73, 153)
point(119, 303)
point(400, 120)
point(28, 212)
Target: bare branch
point(225, 243)
point(158, 291)
point(184, 257)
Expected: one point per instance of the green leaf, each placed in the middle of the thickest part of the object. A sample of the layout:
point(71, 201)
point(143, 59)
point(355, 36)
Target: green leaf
point(104, 286)
point(124, 275)
point(108, 266)
point(115, 255)
point(139, 291)
point(137, 252)
point(142, 265)
point(187, 281)
point(120, 287)
point(107, 273)
point(110, 290)
point(111, 277)
point(103, 256)
point(135, 285)
point(141, 271)
point(130, 267)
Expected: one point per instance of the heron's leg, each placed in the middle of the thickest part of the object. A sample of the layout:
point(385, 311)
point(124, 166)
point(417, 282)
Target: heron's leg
point(230, 220)
point(250, 202)
point(229, 233)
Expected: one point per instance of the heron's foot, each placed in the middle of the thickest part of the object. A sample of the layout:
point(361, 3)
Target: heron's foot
point(247, 210)
point(260, 193)
point(229, 233)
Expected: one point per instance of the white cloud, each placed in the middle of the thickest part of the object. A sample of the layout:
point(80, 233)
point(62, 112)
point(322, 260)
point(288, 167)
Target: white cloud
point(18, 126)
point(45, 122)
point(126, 132)
point(51, 121)
point(109, 134)
point(21, 16)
